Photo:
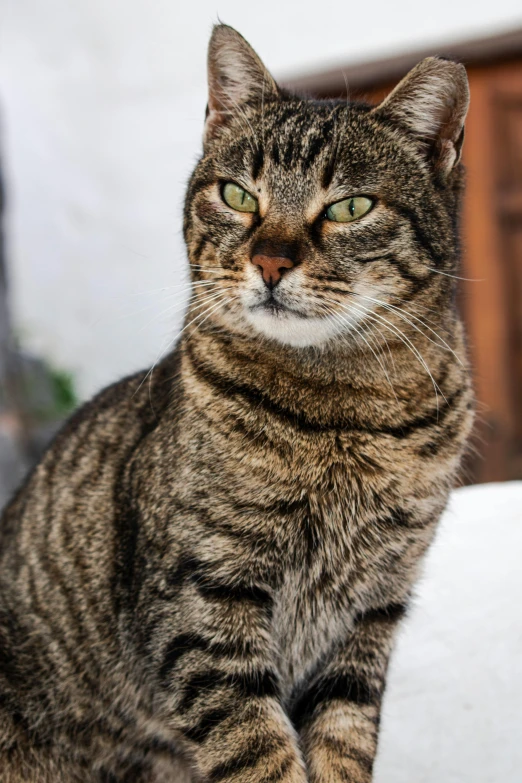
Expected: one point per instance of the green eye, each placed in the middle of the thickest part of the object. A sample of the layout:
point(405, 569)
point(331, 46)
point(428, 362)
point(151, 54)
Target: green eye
point(239, 199)
point(350, 209)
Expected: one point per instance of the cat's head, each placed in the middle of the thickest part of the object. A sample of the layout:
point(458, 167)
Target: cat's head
point(309, 221)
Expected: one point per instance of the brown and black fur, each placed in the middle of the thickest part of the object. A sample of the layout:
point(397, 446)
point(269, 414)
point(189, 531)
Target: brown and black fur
point(203, 576)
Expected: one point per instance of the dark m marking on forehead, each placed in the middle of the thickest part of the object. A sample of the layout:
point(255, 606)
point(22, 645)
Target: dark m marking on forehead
point(329, 169)
point(258, 161)
point(315, 147)
point(288, 157)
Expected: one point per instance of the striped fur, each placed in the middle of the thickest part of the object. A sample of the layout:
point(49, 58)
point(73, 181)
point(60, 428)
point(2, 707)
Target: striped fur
point(202, 578)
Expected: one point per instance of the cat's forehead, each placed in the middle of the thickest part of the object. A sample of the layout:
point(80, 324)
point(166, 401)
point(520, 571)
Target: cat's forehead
point(299, 133)
point(298, 148)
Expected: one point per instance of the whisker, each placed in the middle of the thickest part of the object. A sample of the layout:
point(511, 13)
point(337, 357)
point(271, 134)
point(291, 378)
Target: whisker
point(400, 334)
point(403, 338)
point(343, 321)
point(456, 277)
point(200, 268)
point(148, 376)
point(184, 284)
point(401, 313)
point(177, 306)
point(199, 315)
point(121, 302)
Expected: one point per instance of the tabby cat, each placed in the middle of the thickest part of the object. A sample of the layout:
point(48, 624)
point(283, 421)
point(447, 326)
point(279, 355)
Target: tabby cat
point(202, 578)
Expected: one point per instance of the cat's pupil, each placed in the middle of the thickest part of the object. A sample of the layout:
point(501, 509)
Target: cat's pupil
point(351, 207)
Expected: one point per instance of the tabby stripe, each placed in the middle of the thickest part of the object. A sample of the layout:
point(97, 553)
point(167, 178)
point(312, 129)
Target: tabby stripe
point(186, 566)
point(345, 750)
point(398, 518)
point(127, 520)
point(257, 163)
point(245, 759)
point(314, 149)
point(417, 281)
point(57, 632)
point(279, 773)
point(346, 687)
point(232, 592)
point(288, 156)
point(251, 685)
point(390, 613)
point(443, 439)
point(193, 569)
point(327, 278)
point(206, 724)
point(199, 684)
point(281, 507)
point(329, 170)
point(228, 387)
point(420, 235)
point(213, 525)
point(436, 417)
point(177, 647)
point(17, 718)
point(330, 289)
point(185, 643)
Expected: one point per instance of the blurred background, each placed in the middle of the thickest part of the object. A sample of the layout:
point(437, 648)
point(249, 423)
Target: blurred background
point(101, 111)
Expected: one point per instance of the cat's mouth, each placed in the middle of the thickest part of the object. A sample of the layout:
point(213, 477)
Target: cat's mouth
point(276, 308)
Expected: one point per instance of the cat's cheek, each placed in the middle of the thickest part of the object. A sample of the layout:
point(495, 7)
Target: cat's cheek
point(230, 230)
point(207, 210)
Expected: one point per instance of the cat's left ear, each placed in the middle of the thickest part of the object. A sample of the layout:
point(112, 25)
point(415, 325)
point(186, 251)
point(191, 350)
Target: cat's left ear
point(432, 102)
point(236, 77)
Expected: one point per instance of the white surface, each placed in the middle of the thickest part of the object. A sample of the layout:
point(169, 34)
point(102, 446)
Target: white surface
point(453, 707)
point(102, 107)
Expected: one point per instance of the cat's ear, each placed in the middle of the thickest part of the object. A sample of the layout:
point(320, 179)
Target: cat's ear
point(236, 77)
point(432, 102)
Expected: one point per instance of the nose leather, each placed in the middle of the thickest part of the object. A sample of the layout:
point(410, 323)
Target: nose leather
point(272, 267)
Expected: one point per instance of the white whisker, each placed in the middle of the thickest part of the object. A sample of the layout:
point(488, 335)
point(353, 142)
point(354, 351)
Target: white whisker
point(404, 317)
point(344, 322)
point(456, 277)
point(395, 330)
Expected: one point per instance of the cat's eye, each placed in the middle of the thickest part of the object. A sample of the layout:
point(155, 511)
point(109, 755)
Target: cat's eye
point(349, 209)
point(238, 198)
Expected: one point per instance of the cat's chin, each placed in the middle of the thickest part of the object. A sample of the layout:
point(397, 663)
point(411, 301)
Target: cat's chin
point(292, 329)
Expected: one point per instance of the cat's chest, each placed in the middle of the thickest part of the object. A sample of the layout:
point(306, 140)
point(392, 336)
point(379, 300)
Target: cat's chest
point(306, 622)
point(345, 554)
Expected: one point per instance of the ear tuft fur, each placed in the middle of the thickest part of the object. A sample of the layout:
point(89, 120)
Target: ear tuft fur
point(432, 102)
point(236, 76)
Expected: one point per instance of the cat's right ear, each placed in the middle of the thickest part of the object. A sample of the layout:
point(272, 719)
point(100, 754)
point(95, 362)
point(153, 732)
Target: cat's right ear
point(236, 78)
point(431, 102)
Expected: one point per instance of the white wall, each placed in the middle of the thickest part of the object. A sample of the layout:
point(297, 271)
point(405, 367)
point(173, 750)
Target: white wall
point(102, 104)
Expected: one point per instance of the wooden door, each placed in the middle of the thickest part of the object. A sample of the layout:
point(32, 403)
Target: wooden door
point(492, 299)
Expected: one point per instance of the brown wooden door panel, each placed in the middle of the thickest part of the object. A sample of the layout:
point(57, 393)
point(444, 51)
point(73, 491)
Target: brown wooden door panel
point(493, 215)
point(508, 120)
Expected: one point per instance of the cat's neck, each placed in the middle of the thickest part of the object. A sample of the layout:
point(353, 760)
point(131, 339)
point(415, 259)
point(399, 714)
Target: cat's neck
point(332, 385)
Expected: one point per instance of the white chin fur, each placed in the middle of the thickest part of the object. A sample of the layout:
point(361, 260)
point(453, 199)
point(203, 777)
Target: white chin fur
point(291, 330)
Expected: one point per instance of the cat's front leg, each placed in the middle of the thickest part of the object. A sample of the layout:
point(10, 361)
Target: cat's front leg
point(337, 711)
point(219, 685)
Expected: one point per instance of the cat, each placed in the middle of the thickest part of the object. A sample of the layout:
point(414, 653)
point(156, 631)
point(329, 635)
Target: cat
point(203, 577)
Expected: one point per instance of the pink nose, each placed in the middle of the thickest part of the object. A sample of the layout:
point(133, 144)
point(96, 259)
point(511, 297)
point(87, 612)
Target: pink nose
point(272, 267)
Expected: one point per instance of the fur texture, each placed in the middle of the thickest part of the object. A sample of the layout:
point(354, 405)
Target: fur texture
point(206, 570)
